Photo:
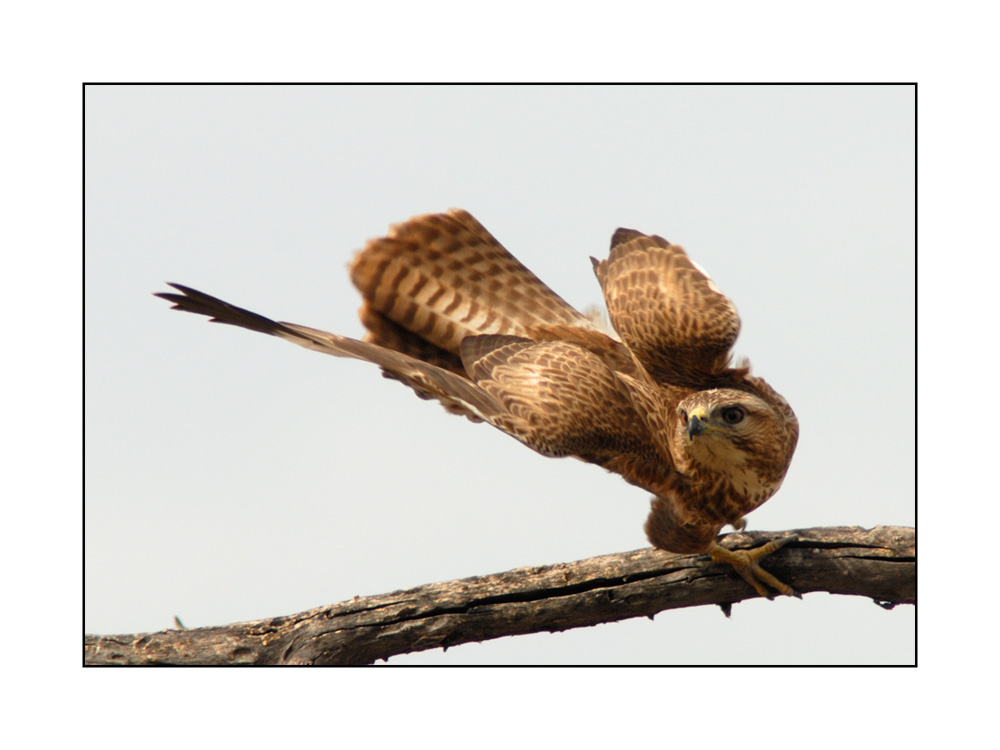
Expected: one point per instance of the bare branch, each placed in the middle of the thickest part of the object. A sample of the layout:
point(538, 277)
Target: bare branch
point(879, 563)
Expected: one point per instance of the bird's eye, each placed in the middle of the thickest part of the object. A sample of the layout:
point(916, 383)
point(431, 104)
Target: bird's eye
point(733, 414)
point(684, 416)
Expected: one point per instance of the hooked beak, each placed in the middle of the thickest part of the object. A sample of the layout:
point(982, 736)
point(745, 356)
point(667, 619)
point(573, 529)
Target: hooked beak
point(696, 422)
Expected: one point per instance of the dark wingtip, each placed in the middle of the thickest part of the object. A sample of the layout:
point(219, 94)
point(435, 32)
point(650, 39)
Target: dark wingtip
point(623, 235)
point(600, 266)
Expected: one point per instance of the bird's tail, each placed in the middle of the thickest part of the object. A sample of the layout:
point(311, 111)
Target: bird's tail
point(456, 392)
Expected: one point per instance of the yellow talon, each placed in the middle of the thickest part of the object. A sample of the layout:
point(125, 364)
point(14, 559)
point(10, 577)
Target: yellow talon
point(746, 563)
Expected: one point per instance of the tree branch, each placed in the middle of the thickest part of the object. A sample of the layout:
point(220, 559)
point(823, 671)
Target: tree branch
point(879, 563)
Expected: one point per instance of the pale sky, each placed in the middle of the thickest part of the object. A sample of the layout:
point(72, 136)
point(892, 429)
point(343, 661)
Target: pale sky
point(230, 476)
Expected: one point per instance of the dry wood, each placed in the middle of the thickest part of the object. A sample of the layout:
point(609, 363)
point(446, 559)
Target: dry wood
point(878, 563)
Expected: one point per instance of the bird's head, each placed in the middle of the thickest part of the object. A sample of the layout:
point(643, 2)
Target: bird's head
point(735, 434)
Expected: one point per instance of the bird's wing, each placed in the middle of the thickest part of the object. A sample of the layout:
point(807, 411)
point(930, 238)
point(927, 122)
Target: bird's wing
point(438, 278)
point(666, 309)
point(563, 400)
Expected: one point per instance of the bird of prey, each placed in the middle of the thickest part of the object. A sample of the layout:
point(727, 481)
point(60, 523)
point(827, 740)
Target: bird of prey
point(454, 316)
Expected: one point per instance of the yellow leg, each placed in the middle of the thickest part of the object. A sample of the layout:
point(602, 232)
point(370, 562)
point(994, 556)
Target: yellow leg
point(746, 563)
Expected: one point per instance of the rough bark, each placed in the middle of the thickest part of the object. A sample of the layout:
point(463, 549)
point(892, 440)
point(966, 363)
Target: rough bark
point(878, 563)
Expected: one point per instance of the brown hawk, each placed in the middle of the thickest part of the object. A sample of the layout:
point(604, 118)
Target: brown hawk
point(453, 315)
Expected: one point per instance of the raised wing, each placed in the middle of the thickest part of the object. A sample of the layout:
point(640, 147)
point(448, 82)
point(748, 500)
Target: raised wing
point(666, 309)
point(437, 279)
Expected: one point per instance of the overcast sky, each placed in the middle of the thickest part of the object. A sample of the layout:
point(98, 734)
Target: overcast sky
point(230, 476)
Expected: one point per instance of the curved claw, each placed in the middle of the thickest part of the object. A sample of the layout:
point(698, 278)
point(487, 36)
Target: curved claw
point(747, 564)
